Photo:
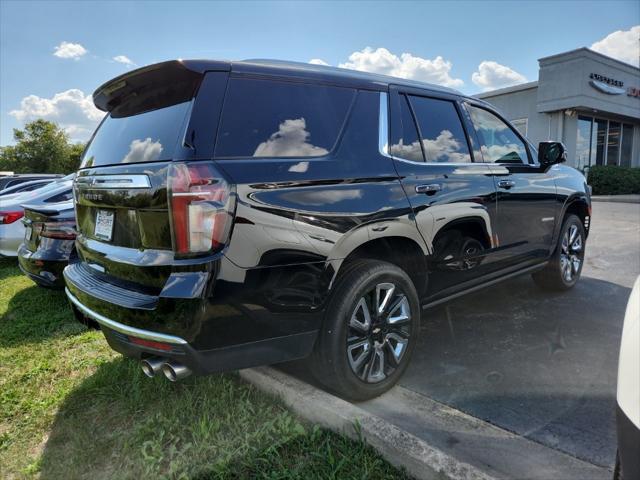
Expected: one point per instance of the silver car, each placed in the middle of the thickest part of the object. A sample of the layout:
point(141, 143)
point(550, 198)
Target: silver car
point(12, 230)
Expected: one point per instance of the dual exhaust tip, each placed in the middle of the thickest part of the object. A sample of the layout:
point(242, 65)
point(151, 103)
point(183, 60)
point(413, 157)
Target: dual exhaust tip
point(174, 371)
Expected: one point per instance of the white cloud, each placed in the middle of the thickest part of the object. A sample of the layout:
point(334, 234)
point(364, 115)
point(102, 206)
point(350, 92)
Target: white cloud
point(621, 44)
point(406, 65)
point(317, 61)
point(143, 151)
point(69, 50)
point(123, 59)
point(72, 110)
point(492, 75)
point(444, 148)
point(291, 140)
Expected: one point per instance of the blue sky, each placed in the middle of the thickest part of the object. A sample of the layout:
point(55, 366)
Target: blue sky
point(510, 36)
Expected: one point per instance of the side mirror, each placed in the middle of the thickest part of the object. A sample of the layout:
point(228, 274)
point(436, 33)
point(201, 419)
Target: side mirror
point(550, 153)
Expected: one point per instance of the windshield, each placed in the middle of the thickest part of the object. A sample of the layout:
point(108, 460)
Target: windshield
point(145, 137)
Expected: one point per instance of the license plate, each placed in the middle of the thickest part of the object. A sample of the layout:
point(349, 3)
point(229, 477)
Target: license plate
point(27, 233)
point(104, 225)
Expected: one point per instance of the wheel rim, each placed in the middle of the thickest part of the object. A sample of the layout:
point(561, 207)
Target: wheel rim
point(571, 253)
point(378, 334)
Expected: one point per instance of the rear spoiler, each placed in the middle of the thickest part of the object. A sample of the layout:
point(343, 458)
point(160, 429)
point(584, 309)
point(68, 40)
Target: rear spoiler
point(152, 87)
point(50, 210)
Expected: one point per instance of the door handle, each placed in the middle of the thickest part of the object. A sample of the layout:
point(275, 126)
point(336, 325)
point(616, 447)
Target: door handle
point(429, 189)
point(506, 184)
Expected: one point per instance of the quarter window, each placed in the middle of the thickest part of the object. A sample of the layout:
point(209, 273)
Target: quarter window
point(443, 138)
point(498, 142)
point(263, 118)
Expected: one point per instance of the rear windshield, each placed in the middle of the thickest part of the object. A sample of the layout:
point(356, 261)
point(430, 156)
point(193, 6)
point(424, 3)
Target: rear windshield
point(145, 137)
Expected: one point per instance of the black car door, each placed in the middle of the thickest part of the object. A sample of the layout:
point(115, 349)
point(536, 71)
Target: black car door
point(452, 197)
point(527, 204)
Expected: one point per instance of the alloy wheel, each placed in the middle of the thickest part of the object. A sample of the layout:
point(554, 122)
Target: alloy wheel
point(571, 253)
point(378, 333)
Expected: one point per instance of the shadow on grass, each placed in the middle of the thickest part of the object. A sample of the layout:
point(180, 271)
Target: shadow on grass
point(9, 268)
point(35, 314)
point(118, 423)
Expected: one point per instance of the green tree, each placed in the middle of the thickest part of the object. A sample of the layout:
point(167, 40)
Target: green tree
point(41, 147)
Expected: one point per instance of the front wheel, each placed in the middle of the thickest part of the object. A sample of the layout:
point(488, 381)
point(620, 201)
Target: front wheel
point(565, 266)
point(370, 329)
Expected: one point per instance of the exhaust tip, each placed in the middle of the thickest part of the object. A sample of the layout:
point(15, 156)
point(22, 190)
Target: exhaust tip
point(151, 366)
point(175, 371)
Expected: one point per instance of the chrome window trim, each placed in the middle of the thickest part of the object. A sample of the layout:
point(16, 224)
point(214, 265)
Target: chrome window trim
point(125, 329)
point(451, 164)
point(114, 181)
point(383, 126)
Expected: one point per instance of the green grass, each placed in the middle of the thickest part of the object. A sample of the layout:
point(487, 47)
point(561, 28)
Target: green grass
point(71, 408)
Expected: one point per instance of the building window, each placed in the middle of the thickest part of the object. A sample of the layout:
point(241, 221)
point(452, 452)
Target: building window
point(585, 143)
point(627, 145)
point(521, 125)
point(600, 133)
point(603, 142)
point(613, 143)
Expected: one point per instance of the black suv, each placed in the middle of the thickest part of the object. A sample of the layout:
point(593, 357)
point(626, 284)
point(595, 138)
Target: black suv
point(248, 213)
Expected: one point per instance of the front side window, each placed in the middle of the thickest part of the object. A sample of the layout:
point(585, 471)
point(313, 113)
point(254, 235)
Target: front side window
point(498, 142)
point(521, 125)
point(264, 118)
point(443, 138)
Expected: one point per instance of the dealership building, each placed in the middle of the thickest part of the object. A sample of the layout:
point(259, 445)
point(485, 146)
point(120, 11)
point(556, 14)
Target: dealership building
point(587, 100)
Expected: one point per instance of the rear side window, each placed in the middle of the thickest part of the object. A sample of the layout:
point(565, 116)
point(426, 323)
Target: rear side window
point(264, 118)
point(60, 197)
point(407, 146)
point(144, 137)
point(498, 142)
point(443, 138)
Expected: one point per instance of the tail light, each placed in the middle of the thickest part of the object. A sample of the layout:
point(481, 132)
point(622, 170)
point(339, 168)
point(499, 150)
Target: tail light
point(201, 203)
point(10, 217)
point(60, 230)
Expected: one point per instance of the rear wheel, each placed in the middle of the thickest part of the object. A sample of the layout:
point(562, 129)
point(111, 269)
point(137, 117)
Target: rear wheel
point(565, 266)
point(370, 329)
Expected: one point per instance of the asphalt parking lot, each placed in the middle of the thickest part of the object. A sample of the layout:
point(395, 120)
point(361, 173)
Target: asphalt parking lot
point(540, 365)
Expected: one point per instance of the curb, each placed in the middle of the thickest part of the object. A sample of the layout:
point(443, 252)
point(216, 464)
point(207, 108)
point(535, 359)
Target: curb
point(616, 198)
point(397, 446)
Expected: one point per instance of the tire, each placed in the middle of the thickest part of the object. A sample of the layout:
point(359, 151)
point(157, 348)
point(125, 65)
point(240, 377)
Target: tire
point(565, 266)
point(360, 353)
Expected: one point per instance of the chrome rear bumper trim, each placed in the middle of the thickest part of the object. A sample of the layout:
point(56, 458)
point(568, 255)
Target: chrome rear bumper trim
point(125, 329)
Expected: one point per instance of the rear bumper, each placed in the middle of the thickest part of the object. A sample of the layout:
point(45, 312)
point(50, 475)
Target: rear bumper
point(204, 322)
point(45, 272)
point(11, 237)
point(268, 351)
